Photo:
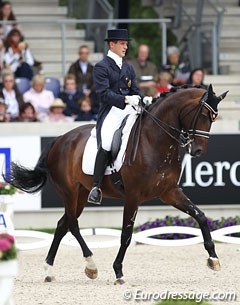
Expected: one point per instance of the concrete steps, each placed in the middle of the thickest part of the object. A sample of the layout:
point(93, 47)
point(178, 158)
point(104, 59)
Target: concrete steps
point(229, 108)
point(32, 10)
point(42, 30)
point(229, 47)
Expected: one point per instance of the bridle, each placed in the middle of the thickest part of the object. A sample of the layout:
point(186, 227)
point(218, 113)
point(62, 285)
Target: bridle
point(187, 137)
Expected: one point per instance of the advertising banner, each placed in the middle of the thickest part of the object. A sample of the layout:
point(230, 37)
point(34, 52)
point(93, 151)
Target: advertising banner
point(24, 150)
point(211, 179)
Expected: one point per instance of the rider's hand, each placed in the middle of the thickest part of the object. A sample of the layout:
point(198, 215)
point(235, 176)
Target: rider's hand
point(132, 100)
point(147, 100)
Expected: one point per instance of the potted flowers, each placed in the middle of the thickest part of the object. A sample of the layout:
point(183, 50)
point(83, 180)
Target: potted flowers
point(7, 189)
point(8, 267)
point(6, 194)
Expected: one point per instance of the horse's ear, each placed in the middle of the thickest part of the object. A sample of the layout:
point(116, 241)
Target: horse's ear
point(222, 96)
point(210, 91)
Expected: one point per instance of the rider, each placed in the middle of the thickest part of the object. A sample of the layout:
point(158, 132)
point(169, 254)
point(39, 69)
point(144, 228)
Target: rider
point(117, 91)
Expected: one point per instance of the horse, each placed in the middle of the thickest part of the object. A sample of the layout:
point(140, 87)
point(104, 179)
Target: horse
point(182, 117)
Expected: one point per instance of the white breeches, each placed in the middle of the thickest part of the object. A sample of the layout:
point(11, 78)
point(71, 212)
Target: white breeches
point(112, 122)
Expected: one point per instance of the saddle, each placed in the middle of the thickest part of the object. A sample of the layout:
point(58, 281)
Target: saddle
point(117, 139)
point(115, 148)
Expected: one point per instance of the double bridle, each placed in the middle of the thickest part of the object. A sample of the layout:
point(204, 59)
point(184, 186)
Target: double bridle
point(187, 137)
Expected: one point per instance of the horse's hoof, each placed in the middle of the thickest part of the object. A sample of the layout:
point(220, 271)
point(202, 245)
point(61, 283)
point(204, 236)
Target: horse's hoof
point(49, 279)
point(213, 263)
point(119, 282)
point(91, 273)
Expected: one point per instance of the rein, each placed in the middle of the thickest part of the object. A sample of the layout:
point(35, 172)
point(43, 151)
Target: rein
point(185, 137)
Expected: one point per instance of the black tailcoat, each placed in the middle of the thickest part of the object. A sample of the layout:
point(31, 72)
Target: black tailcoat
point(112, 84)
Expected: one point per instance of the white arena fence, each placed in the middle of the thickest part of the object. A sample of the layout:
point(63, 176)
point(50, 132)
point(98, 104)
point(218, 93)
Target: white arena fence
point(111, 237)
point(105, 238)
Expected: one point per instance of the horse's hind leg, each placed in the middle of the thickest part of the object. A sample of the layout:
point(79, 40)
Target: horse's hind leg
point(74, 206)
point(91, 269)
point(61, 230)
point(183, 203)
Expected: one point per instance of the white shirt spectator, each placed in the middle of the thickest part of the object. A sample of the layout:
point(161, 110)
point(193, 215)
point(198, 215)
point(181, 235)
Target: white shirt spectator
point(41, 101)
point(83, 66)
point(14, 59)
point(11, 102)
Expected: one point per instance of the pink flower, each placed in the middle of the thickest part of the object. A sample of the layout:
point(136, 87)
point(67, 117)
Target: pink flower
point(10, 238)
point(5, 245)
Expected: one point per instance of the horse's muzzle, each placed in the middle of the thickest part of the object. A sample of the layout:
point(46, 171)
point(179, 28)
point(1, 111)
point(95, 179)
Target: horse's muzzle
point(195, 150)
point(197, 153)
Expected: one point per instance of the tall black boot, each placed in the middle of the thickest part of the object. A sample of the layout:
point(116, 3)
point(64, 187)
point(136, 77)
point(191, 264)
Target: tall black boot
point(102, 159)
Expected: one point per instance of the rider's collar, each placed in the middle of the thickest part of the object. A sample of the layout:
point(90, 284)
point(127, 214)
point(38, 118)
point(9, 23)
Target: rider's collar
point(115, 57)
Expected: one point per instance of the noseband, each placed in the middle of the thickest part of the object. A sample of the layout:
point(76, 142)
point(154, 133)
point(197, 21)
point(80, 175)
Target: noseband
point(187, 137)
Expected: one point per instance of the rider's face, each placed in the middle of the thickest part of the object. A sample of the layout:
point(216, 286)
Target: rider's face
point(119, 47)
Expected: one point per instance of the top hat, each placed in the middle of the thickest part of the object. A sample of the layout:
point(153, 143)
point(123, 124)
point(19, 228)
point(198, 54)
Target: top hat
point(119, 34)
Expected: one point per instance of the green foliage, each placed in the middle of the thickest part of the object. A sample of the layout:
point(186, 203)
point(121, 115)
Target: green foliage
point(63, 2)
point(147, 33)
point(7, 189)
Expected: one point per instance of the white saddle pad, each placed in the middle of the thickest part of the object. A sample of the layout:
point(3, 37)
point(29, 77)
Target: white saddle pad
point(90, 150)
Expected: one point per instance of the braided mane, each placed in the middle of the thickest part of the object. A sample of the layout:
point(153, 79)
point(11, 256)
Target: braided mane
point(173, 90)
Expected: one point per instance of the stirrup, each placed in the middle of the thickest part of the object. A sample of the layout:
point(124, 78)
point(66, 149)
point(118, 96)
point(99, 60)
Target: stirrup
point(95, 196)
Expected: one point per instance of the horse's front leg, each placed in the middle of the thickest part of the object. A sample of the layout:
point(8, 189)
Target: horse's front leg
point(180, 201)
point(129, 215)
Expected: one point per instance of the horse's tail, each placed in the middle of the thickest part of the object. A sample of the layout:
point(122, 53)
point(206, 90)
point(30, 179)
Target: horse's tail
point(30, 180)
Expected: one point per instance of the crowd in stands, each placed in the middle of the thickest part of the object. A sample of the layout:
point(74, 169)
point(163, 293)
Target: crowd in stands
point(27, 96)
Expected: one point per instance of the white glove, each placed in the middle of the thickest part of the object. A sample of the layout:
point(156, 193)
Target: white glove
point(147, 100)
point(132, 100)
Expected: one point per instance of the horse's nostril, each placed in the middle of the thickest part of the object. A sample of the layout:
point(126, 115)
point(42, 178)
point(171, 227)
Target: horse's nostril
point(198, 153)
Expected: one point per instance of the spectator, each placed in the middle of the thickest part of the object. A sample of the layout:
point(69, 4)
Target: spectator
point(40, 98)
point(163, 82)
point(86, 113)
point(196, 78)
point(12, 97)
point(82, 70)
point(179, 71)
point(70, 95)
point(4, 116)
point(6, 14)
point(17, 55)
point(152, 91)
point(145, 70)
point(27, 113)
point(56, 112)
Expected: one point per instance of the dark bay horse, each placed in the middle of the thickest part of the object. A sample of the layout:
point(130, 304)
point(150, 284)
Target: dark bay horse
point(183, 117)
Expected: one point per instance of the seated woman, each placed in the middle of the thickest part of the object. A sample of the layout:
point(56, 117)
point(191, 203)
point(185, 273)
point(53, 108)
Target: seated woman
point(12, 97)
point(70, 95)
point(18, 56)
point(196, 78)
point(27, 113)
point(6, 14)
point(40, 98)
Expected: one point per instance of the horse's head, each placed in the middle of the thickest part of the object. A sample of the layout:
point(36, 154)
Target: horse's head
point(197, 121)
